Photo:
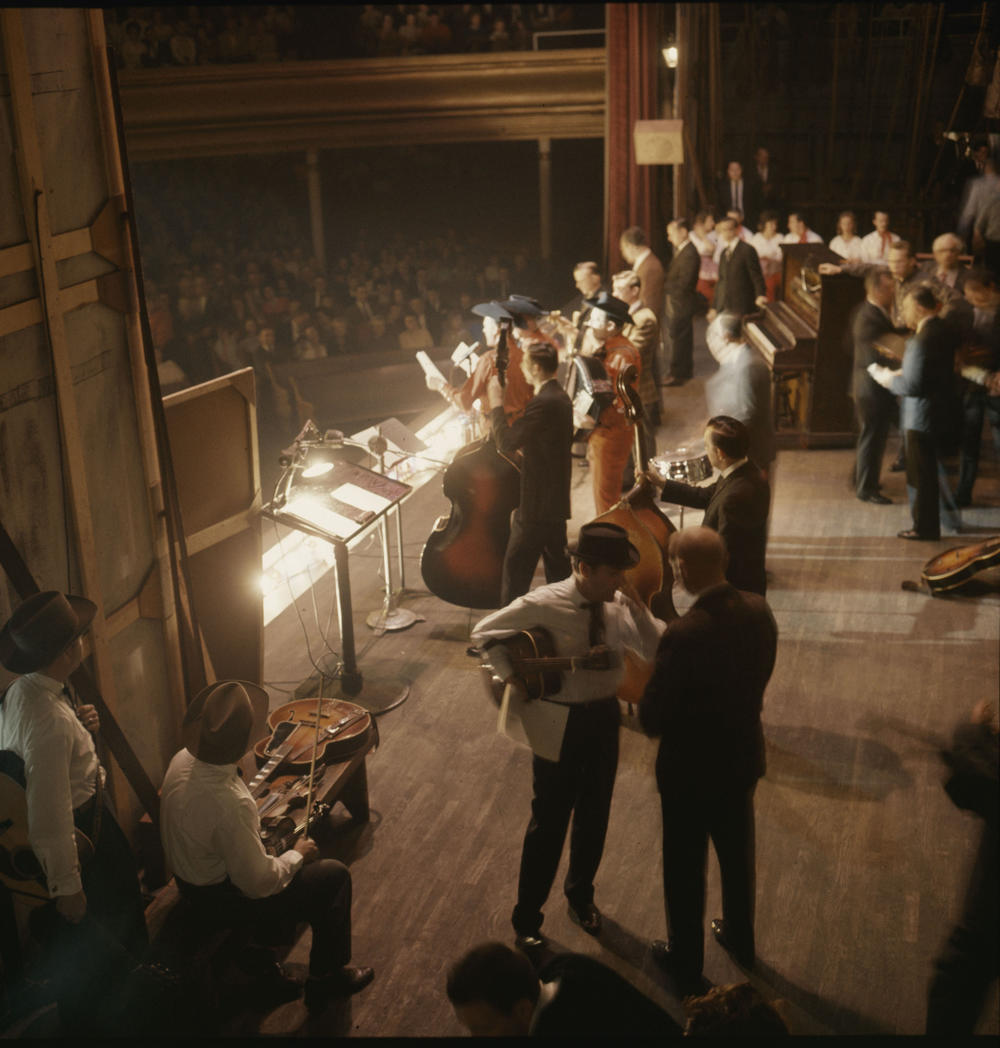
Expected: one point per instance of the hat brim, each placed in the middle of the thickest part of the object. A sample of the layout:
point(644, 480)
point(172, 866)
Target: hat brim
point(17, 660)
point(629, 559)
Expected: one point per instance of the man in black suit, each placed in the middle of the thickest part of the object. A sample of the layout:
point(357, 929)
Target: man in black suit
point(736, 193)
point(496, 992)
point(704, 700)
point(874, 406)
point(682, 303)
point(929, 417)
point(741, 288)
point(736, 505)
point(544, 435)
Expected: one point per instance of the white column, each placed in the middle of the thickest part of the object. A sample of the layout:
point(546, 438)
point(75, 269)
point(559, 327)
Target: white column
point(315, 205)
point(545, 196)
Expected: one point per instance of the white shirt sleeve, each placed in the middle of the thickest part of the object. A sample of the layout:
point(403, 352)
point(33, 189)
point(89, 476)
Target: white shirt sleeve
point(51, 831)
point(250, 868)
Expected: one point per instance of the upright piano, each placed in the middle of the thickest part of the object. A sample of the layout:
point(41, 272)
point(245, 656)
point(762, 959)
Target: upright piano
point(805, 339)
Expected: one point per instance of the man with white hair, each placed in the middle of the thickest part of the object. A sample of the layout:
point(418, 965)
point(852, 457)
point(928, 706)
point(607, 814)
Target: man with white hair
point(945, 271)
point(643, 331)
point(741, 387)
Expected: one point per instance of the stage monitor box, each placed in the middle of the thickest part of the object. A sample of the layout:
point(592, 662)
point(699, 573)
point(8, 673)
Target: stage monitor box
point(659, 141)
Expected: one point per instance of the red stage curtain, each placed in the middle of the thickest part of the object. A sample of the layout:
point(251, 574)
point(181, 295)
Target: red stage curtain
point(633, 50)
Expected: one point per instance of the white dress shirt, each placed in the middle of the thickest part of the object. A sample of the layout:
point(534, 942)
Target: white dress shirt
point(851, 249)
point(561, 608)
point(211, 830)
point(60, 769)
point(875, 248)
point(768, 251)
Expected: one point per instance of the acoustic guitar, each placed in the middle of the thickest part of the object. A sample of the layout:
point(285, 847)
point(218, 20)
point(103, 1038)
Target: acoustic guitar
point(20, 869)
point(954, 567)
point(536, 666)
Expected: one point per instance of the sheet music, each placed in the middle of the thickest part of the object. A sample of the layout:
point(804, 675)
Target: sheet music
point(430, 368)
point(533, 722)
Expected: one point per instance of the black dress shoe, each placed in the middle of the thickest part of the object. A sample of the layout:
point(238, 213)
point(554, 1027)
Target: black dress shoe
point(529, 941)
point(742, 958)
point(898, 466)
point(345, 982)
point(589, 918)
point(875, 497)
point(916, 536)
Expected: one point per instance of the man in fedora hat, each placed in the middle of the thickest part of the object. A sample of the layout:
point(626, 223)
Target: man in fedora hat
point(583, 612)
point(516, 393)
point(95, 922)
point(611, 438)
point(543, 435)
point(704, 701)
point(211, 838)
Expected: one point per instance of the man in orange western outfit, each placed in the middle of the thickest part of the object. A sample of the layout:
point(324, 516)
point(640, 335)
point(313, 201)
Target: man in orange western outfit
point(611, 440)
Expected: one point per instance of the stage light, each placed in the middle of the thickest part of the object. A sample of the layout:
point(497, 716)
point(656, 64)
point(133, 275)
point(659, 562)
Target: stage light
point(317, 469)
point(670, 55)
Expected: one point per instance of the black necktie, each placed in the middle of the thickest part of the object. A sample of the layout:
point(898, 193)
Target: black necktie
point(596, 625)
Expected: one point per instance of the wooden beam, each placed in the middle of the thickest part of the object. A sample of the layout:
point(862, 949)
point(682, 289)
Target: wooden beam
point(35, 202)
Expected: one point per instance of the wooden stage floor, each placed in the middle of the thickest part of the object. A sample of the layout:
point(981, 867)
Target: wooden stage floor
point(862, 858)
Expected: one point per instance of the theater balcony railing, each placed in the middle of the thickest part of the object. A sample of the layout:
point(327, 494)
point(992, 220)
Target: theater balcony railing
point(220, 110)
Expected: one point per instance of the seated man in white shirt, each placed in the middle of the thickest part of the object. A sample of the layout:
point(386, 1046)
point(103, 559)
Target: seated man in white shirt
point(211, 838)
point(93, 928)
point(875, 246)
point(799, 231)
point(584, 612)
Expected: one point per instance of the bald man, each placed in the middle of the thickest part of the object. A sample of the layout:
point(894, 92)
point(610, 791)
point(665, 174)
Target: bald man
point(704, 700)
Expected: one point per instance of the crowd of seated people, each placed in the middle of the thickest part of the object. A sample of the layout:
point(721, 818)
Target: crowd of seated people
point(219, 300)
point(752, 197)
point(150, 37)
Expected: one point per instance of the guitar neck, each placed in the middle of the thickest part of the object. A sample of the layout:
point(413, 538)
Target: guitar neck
point(545, 664)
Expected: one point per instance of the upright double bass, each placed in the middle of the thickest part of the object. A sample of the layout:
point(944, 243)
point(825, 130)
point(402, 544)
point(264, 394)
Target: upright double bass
point(462, 560)
point(649, 530)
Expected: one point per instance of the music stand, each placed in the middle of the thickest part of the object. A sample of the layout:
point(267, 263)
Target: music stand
point(339, 502)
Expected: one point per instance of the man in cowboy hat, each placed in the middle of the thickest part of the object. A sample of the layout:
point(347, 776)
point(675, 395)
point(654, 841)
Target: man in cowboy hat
point(211, 838)
point(611, 439)
point(583, 612)
point(516, 392)
point(544, 435)
point(95, 921)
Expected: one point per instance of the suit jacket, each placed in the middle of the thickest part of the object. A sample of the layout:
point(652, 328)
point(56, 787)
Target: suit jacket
point(868, 324)
point(643, 331)
point(651, 278)
point(682, 281)
point(736, 507)
point(741, 281)
point(706, 693)
point(544, 434)
point(927, 381)
point(751, 198)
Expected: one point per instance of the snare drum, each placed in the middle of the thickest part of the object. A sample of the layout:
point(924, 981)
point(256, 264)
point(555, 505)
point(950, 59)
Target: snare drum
point(689, 465)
